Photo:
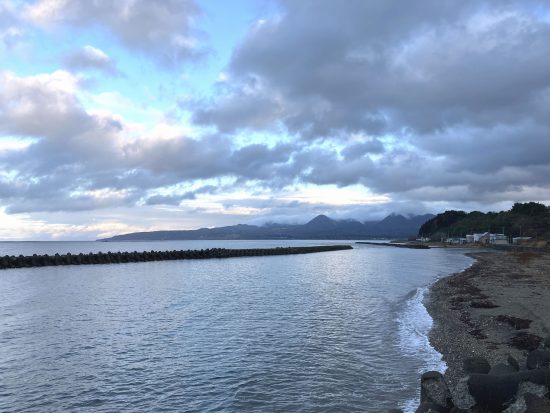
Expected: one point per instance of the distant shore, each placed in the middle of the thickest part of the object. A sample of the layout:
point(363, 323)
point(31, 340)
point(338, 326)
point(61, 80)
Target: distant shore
point(500, 306)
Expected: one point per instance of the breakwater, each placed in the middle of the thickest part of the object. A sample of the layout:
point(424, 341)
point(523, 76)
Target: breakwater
point(21, 261)
point(392, 244)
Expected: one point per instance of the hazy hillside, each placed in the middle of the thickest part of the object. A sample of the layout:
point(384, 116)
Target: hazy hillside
point(320, 227)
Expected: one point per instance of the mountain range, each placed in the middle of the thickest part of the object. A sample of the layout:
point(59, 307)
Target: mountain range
point(320, 227)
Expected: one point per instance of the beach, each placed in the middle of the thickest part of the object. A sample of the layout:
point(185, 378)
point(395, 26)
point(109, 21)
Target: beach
point(499, 307)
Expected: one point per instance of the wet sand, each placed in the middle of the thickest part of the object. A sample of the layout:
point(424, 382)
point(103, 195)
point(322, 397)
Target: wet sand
point(497, 308)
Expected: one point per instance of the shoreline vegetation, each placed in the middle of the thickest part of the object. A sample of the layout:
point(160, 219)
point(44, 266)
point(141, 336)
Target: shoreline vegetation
point(491, 323)
point(7, 262)
point(525, 223)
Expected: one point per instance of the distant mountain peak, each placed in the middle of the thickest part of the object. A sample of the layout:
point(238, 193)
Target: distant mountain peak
point(321, 220)
point(394, 217)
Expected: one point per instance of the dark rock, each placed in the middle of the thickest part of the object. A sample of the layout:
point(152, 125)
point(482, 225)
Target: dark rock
point(494, 392)
point(547, 342)
point(502, 368)
point(461, 395)
point(538, 359)
point(513, 362)
point(536, 404)
point(483, 304)
point(427, 407)
point(527, 394)
point(478, 365)
point(517, 323)
point(478, 333)
point(434, 390)
point(525, 341)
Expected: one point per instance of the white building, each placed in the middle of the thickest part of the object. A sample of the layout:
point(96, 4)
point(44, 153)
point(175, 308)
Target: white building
point(477, 236)
point(482, 237)
point(498, 239)
point(456, 241)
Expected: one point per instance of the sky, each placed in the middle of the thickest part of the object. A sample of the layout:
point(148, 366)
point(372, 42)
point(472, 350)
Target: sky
point(138, 115)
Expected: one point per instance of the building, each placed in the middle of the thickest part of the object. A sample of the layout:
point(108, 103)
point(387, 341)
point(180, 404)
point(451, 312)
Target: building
point(482, 238)
point(456, 241)
point(498, 239)
point(519, 240)
point(478, 235)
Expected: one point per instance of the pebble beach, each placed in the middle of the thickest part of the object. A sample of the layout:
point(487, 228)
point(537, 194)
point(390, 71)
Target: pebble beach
point(498, 310)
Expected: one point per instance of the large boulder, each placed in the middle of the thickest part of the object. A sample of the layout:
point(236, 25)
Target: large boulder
point(428, 407)
point(513, 362)
point(501, 368)
point(478, 365)
point(462, 398)
point(529, 399)
point(495, 392)
point(538, 359)
point(434, 390)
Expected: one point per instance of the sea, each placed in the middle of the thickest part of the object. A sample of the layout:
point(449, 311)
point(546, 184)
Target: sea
point(341, 331)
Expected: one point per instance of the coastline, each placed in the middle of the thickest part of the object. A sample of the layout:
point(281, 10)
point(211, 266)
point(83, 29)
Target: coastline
point(494, 309)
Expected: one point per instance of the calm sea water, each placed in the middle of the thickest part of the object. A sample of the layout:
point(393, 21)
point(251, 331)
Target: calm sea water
point(340, 331)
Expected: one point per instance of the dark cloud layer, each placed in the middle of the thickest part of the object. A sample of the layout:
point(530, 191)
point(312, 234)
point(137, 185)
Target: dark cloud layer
point(324, 67)
point(462, 87)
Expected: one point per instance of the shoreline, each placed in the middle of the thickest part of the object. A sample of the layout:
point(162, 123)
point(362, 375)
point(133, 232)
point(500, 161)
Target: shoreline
point(494, 309)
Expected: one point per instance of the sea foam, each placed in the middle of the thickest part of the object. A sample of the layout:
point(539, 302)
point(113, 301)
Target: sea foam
point(414, 326)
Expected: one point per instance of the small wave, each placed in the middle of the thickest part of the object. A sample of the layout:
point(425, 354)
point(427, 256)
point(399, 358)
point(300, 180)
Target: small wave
point(414, 326)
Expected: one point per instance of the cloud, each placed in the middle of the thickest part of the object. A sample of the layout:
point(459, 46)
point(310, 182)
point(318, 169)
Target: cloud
point(40, 105)
point(436, 64)
point(449, 95)
point(162, 29)
point(10, 31)
point(359, 149)
point(78, 159)
point(89, 57)
point(447, 105)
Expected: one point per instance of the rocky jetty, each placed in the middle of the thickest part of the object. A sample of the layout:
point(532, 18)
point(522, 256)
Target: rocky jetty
point(12, 261)
point(414, 246)
point(505, 387)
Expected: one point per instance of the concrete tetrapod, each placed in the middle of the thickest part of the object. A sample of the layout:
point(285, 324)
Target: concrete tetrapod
point(35, 260)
